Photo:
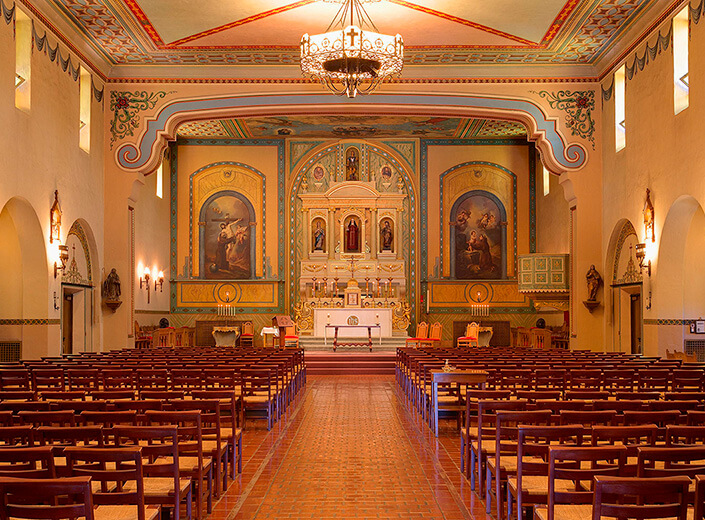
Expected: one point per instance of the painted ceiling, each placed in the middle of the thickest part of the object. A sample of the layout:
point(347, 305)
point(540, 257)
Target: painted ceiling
point(343, 127)
point(268, 32)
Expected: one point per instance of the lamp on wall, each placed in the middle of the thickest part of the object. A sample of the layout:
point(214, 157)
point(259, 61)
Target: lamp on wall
point(159, 281)
point(649, 218)
point(144, 280)
point(62, 258)
point(644, 264)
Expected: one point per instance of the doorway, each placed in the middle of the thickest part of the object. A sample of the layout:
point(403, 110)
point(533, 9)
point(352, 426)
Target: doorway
point(635, 322)
point(76, 319)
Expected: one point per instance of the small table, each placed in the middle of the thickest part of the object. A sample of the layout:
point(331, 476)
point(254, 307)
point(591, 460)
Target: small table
point(461, 377)
point(269, 331)
point(352, 344)
point(226, 336)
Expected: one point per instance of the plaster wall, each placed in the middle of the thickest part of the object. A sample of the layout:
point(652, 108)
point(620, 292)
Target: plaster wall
point(39, 153)
point(663, 153)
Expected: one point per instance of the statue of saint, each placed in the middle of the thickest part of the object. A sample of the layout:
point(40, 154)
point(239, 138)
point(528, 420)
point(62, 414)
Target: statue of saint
point(111, 286)
point(351, 166)
point(594, 280)
point(319, 237)
point(387, 236)
point(352, 242)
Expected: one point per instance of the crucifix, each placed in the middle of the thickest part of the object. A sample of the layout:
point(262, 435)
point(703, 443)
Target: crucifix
point(352, 33)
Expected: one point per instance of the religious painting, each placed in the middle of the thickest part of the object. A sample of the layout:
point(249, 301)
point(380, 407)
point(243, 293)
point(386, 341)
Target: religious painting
point(478, 237)
point(386, 235)
point(228, 237)
point(352, 164)
point(352, 235)
point(318, 173)
point(386, 173)
point(318, 235)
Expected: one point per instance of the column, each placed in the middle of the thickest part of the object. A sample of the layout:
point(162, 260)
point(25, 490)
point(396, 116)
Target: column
point(374, 232)
point(331, 233)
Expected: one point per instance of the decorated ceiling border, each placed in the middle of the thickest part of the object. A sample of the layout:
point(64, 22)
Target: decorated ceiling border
point(589, 34)
point(557, 153)
point(55, 55)
point(281, 179)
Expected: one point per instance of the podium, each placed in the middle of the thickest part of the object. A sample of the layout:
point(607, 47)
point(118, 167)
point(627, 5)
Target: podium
point(286, 327)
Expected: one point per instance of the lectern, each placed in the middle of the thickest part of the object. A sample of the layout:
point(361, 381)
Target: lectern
point(285, 325)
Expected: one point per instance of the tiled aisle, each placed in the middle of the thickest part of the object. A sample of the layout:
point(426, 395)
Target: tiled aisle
point(349, 449)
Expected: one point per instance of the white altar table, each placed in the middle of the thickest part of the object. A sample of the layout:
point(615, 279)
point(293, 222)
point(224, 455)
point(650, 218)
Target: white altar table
point(365, 316)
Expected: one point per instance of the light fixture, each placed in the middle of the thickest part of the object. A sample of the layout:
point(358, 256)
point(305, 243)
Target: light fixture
point(63, 256)
point(159, 281)
point(685, 79)
point(352, 59)
point(641, 256)
point(18, 80)
point(144, 279)
point(55, 220)
point(649, 218)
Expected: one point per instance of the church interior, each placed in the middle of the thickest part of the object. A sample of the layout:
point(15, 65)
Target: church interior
point(402, 233)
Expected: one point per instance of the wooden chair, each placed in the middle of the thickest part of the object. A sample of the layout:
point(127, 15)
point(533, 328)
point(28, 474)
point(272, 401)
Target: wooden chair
point(231, 405)
point(434, 336)
point(162, 483)
point(192, 463)
point(16, 436)
point(471, 336)
point(112, 469)
point(108, 420)
point(164, 337)
point(631, 437)
point(60, 438)
point(48, 379)
point(258, 393)
point(523, 337)
point(540, 338)
point(69, 498)
point(291, 337)
point(247, 335)
point(624, 497)
point(571, 471)
point(421, 334)
point(32, 462)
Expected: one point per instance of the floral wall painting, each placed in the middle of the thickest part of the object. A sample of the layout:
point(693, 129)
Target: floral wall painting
point(318, 235)
point(227, 237)
point(478, 237)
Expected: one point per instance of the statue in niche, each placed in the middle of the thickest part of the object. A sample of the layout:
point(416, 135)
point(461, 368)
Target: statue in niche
point(319, 237)
point(387, 236)
point(594, 280)
point(352, 165)
point(352, 236)
point(111, 286)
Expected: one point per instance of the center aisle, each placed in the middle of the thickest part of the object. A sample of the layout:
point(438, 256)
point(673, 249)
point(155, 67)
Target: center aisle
point(349, 449)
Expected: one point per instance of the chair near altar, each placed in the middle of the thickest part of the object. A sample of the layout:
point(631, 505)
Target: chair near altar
point(421, 335)
point(471, 337)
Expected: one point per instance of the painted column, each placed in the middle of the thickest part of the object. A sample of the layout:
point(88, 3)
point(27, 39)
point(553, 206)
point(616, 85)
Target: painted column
point(331, 234)
point(373, 233)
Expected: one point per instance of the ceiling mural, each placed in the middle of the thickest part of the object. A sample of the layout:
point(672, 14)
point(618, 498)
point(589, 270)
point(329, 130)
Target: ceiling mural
point(268, 32)
point(343, 127)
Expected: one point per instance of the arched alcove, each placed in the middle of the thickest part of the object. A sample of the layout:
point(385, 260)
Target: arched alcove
point(23, 279)
point(679, 281)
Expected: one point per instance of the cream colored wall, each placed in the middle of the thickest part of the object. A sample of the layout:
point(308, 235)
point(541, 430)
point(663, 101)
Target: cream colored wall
point(552, 216)
point(664, 152)
point(39, 153)
point(152, 248)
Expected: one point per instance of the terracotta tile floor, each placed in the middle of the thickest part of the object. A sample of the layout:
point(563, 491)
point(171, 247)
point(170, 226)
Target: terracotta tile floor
point(348, 448)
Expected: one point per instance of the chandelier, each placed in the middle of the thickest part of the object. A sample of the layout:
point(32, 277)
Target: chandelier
point(352, 59)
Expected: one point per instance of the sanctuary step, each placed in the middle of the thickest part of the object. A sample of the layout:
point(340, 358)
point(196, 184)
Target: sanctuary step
point(350, 363)
point(309, 344)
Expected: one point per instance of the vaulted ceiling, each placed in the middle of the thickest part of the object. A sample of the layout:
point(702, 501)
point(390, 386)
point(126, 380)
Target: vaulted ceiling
point(443, 33)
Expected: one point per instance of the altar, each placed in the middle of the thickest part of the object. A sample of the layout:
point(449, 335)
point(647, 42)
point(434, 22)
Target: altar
point(352, 316)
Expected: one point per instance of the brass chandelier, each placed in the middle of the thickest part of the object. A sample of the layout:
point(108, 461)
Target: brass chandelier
point(353, 59)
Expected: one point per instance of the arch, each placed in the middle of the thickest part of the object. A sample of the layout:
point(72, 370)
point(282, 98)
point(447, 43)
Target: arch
point(623, 236)
point(678, 295)
point(202, 231)
point(503, 229)
point(24, 279)
point(542, 129)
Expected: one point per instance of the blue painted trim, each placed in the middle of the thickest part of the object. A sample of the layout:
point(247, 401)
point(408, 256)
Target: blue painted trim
point(136, 157)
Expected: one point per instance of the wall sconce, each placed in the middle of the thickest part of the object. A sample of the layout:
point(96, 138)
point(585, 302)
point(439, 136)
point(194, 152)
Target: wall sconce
point(641, 256)
point(159, 281)
point(55, 220)
point(144, 279)
point(649, 218)
point(63, 258)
